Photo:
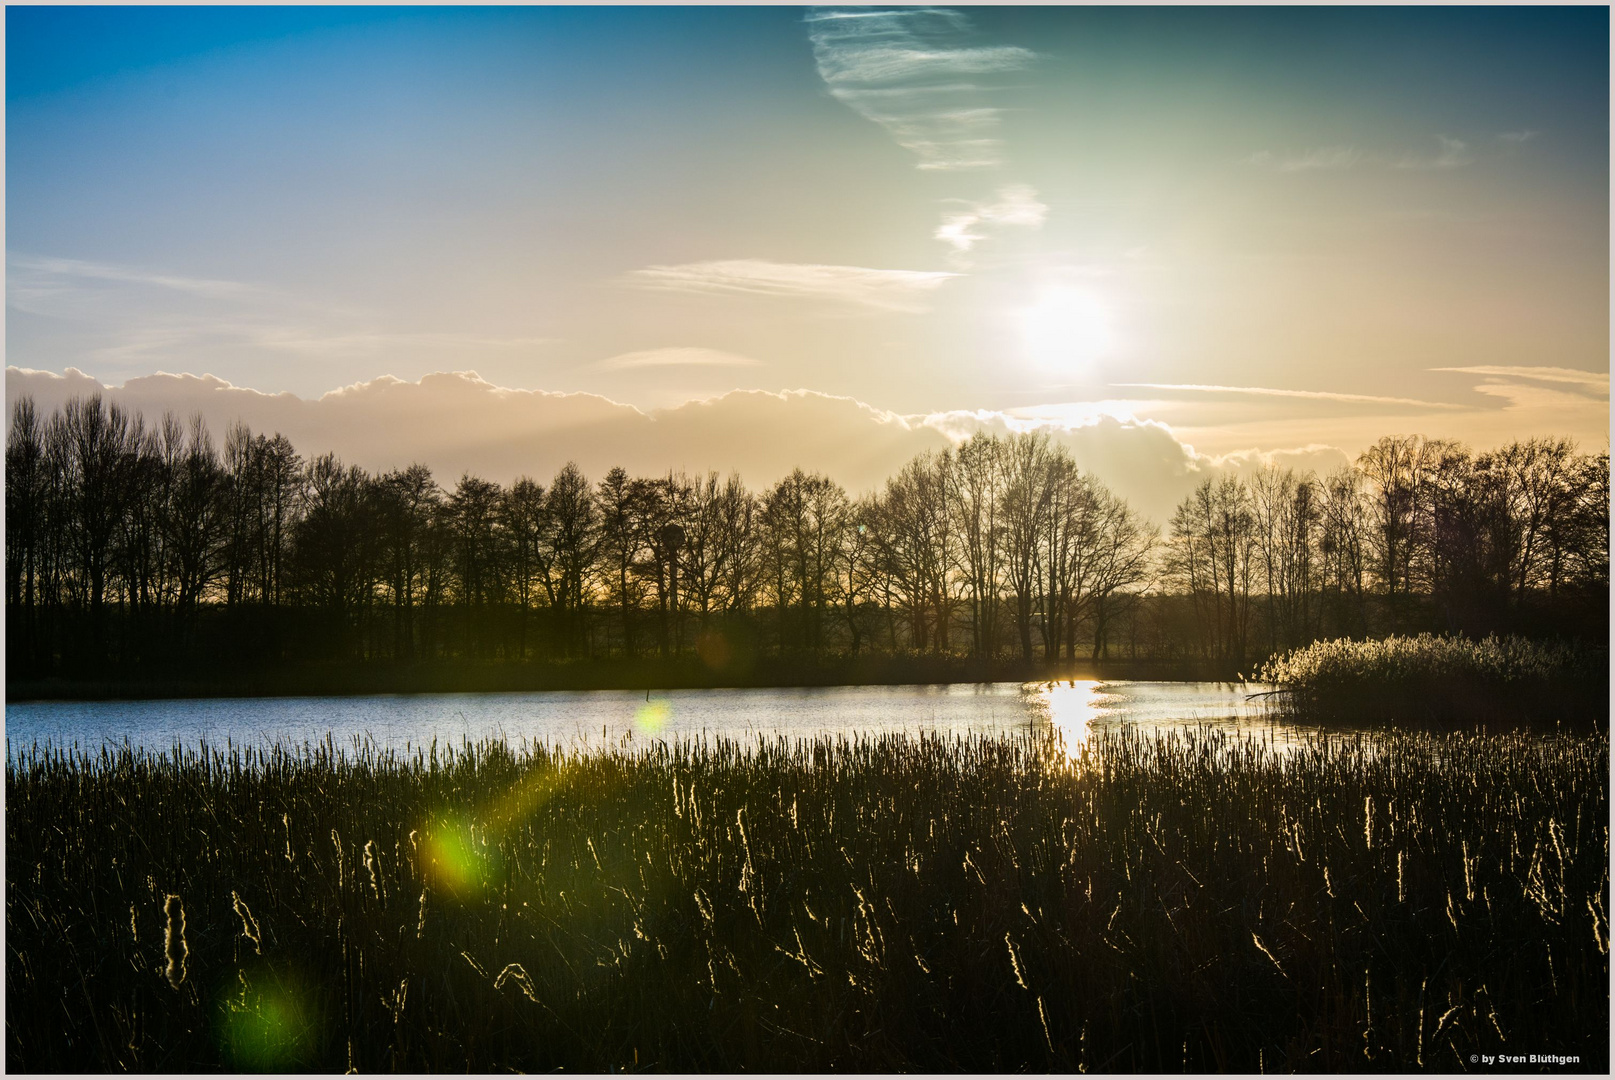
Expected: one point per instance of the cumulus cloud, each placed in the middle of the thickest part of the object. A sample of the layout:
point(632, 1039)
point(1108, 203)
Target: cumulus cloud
point(889, 290)
point(1316, 458)
point(457, 422)
point(914, 72)
point(1015, 205)
point(678, 357)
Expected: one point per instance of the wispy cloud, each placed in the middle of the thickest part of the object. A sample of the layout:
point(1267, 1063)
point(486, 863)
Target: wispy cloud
point(1454, 154)
point(30, 275)
point(912, 72)
point(677, 357)
point(136, 316)
point(1016, 204)
point(1596, 381)
point(1520, 396)
point(1451, 153)
point(890, 290)
point(1516, 137)
point(1268, 391)
point(1320, 158)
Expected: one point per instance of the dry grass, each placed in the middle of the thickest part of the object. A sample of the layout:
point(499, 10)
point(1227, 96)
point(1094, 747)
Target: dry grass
point(1438, 678)
point(905, 903)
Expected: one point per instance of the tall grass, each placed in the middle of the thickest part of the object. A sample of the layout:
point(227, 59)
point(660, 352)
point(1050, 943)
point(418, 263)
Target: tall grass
point(1430, 677)
point(909, 903)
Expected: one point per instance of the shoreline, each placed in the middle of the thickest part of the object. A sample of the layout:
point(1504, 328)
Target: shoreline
point(461, 678)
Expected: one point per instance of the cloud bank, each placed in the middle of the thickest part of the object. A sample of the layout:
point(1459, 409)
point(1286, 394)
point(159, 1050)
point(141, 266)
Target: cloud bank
point(457, 422)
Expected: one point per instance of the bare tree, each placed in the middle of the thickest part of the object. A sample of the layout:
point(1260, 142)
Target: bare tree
point(521, 516)
point(1211, 560)
point(1027, 493)
point(27, 492)
point(621, 544)
point(914, 532)
point(805, 516)
point(409, 502)
point(572, 535)
point(977, 499)
point(1287, 519)
point(1342, 549)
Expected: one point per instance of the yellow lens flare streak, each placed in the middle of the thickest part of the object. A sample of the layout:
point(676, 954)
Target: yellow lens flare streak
point(458, 847)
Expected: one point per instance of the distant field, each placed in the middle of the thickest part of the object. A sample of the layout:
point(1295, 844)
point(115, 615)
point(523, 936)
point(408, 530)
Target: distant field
point(902, 904)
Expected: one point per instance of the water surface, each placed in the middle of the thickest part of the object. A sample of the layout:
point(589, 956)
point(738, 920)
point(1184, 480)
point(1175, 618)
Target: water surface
point(588, 720)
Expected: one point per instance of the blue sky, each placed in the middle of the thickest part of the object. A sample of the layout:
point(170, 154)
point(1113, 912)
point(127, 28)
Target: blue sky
point(1052, 213)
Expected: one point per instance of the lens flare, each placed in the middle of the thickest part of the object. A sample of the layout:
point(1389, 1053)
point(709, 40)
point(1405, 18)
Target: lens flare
point(651, 717)
point(455, 860)
point(267, 1026)
point(713, 648)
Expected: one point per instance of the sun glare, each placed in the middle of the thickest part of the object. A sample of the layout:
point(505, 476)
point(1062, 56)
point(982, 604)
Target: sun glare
point(1065, 330)
point(1072, 707)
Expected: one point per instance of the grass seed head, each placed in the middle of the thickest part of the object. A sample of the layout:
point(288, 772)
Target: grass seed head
point(174, 945)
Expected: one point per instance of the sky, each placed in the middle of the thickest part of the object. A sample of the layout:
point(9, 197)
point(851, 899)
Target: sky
point(1182, 239)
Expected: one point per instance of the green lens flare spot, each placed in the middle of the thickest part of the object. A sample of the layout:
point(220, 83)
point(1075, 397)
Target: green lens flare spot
point(653, 716)
point(266, 1030)
point(456, 860)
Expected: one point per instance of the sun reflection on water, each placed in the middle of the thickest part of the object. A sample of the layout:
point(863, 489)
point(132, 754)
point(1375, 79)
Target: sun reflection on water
point(1072, 707)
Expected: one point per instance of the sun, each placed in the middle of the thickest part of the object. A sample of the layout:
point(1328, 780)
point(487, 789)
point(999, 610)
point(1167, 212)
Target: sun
point(1066, 329)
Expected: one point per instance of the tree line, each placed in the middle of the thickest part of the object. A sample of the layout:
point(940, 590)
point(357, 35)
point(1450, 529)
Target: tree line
point(141, 547)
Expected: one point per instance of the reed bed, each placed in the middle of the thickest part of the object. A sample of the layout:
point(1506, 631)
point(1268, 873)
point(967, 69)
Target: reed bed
point(1432, 677)
point(907, 903)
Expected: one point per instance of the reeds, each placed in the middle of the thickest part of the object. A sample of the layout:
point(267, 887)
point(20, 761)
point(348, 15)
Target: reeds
point(1439, 678)
point(902, 903)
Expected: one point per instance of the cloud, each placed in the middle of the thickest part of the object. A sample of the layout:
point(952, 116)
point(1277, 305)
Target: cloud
point(1267, 391)
point(458, 422)
point(889, 290)
point(1317, 458)
point(912, 72)
point(1570, 393)
point(1327, 157)
point(678, 357)
point(1016, 205)
point(131, 316)
point(30, 277)
point(1454, 154)
point(1321, 158)
point(1522, 396)
point(1595, 381)
point(1516, 137)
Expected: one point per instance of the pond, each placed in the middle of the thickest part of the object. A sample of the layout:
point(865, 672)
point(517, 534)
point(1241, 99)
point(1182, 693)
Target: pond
point(588, 720)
